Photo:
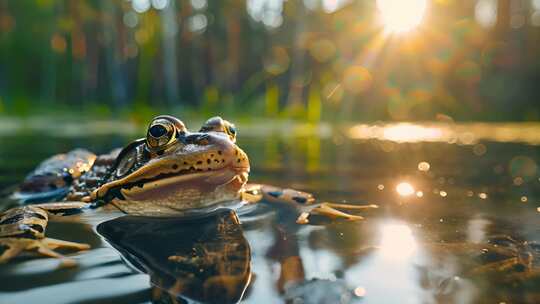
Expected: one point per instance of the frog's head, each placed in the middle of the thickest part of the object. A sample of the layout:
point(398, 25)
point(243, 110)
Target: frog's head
point(173, 169)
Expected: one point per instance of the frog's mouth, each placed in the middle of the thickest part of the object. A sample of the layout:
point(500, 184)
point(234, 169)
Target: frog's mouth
point(170, 177)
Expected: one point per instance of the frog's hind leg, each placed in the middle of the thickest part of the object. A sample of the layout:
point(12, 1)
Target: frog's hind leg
point(23, 229)
point(295, 197)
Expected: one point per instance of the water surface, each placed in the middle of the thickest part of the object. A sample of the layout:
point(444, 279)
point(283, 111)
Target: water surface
point(444, 191)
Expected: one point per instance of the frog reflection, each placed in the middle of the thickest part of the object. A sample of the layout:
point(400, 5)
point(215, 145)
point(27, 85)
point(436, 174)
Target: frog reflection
point(205, 260)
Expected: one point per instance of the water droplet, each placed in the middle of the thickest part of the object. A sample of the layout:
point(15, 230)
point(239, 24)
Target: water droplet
point(380, 187)
point(524, 199)
point(419, 193)
point(482, 195)
point(360, 291)
point(443, 193)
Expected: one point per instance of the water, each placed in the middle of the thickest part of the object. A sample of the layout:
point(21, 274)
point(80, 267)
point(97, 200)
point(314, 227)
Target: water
point(453, 199)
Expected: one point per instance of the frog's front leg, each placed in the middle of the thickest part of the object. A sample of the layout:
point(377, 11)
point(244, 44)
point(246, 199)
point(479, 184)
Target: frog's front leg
point(334, 210)
point(23, 229)
point(306, 202)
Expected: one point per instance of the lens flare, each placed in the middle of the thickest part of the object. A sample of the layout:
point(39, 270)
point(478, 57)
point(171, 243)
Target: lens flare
point(405, 189)
point(397, 241)
point(401, 15)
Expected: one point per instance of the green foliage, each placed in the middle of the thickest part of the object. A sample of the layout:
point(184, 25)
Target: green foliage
point(225, 57)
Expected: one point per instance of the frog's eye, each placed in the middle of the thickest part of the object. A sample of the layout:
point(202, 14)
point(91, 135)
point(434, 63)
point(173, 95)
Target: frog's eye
point(161, 133)
point(231, 130)
point(218, 124)
point(213, 124)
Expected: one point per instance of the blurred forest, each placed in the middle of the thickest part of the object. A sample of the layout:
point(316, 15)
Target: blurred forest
point(310, 60)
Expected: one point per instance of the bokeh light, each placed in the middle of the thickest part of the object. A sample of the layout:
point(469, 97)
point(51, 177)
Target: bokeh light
point(405, 189)
point(357, 79)
point(423, 166)
point(485, 13)
point(410, 133)
point(401, 15)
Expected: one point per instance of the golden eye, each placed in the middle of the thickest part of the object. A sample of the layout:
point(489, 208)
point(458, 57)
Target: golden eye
point(161, 133)
point(231, 131)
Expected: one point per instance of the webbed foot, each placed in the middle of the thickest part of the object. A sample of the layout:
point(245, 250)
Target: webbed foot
point(334, 211)
point(12, 247)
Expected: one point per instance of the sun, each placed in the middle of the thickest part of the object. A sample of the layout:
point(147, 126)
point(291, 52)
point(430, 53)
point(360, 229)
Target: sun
point(400, 16)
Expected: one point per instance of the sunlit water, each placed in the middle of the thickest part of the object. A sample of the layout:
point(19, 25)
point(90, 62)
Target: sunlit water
point(440, 188)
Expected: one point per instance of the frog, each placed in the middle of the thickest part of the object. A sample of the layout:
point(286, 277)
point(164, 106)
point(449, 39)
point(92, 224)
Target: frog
point(171, 172)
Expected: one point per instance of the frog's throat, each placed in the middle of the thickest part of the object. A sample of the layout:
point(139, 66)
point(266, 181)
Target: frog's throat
point(201, 168)
point(196, 195)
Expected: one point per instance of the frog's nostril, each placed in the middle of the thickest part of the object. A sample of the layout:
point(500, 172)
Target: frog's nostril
point(203, 140)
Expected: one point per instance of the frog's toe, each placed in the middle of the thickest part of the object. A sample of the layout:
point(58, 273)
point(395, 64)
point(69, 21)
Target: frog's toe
point(13, 247)
point(59, 244)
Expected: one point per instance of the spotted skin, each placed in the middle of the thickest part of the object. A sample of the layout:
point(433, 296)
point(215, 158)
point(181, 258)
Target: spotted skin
point(27, 222)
